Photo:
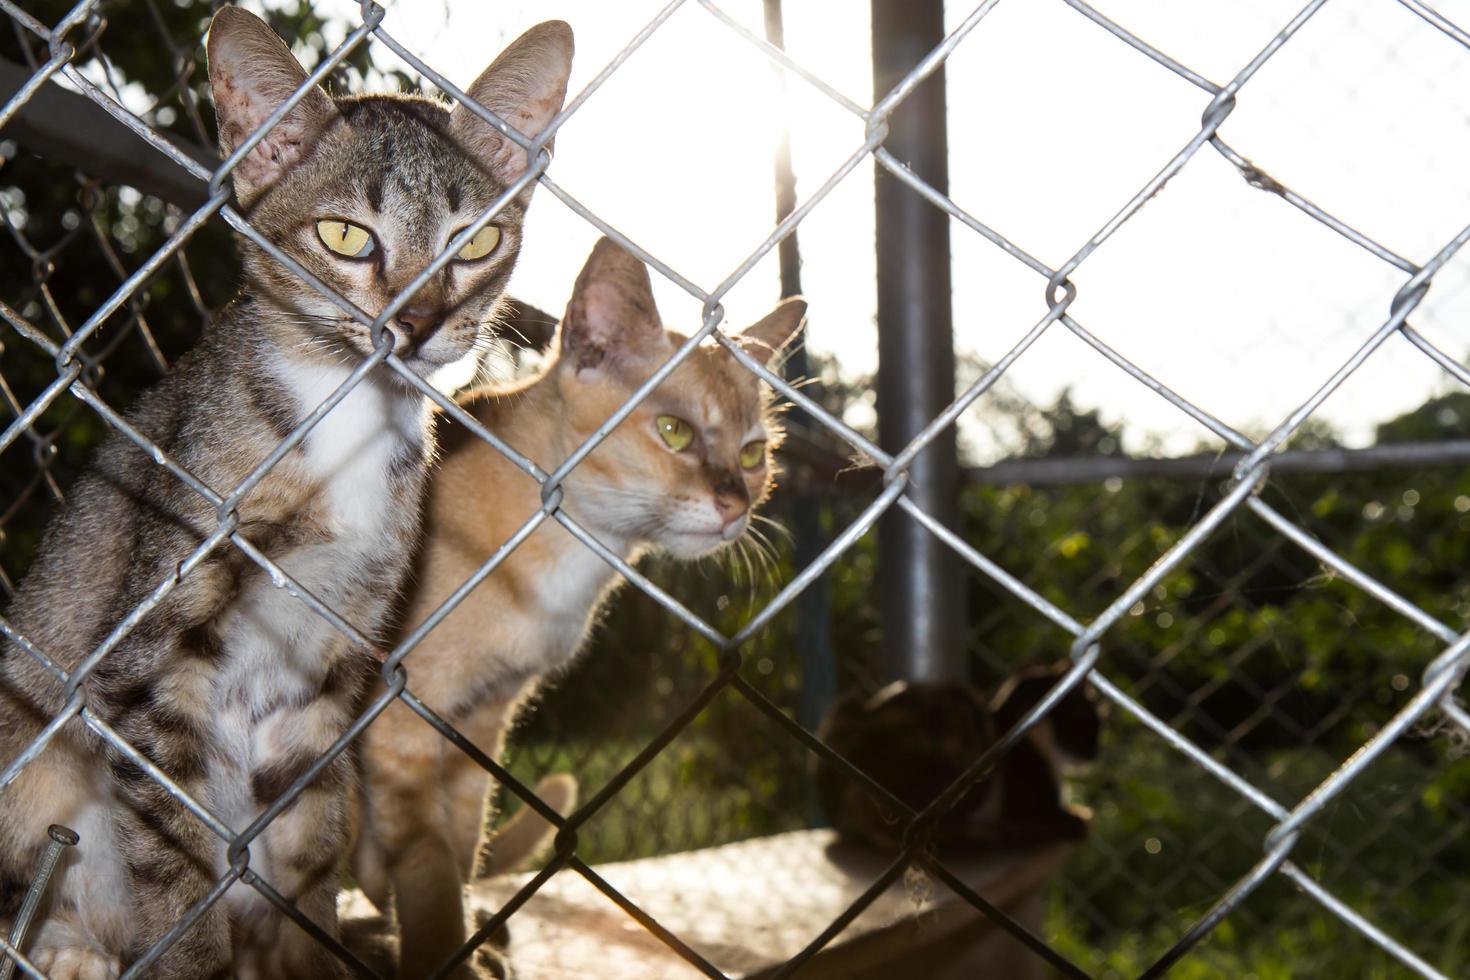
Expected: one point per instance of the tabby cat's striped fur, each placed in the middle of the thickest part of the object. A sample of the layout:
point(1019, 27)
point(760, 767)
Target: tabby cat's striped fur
point(230, 685)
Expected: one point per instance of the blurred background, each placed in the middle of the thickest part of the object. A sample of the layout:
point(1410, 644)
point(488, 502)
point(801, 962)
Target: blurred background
point(1237, 301)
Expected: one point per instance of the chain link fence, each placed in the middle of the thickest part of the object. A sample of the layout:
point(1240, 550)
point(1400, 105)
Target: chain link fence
point(1215, 563)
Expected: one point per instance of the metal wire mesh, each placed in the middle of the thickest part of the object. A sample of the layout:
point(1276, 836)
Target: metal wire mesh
point(76, 368)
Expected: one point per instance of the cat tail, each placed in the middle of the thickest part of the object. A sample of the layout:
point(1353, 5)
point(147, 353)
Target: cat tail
point(527, 834)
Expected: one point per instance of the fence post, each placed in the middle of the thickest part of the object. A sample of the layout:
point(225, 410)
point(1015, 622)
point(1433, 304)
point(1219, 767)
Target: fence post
point(809, 538)
point(922, 582)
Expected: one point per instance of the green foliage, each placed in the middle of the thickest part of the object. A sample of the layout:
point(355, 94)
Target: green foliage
point(1169, 839)
point(1269, 660)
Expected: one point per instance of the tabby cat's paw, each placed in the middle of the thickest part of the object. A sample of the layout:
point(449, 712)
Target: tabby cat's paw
point(76, 963)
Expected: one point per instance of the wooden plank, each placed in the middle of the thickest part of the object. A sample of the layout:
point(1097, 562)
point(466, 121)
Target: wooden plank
point(68, 127)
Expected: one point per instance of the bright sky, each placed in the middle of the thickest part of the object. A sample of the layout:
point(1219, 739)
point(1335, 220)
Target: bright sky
point(1227, 294)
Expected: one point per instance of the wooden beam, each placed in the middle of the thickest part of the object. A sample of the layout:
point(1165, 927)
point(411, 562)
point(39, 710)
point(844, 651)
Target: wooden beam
point(69, 128)
point(831, 465)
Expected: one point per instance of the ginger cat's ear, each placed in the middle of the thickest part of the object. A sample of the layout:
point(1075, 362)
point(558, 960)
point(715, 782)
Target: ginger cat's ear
point(525, 86)
point(765, 338)
point(612, 316)
point(251, 72)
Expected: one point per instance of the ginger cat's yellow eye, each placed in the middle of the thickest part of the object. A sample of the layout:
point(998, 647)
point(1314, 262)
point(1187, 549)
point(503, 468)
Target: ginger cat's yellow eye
point(753, 454)
point(675, 432)
point(346, 238)
point(484, 242)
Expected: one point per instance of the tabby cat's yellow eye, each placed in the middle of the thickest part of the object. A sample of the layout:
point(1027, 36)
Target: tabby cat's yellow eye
point(753, 454)
point(346, 238)
point(481, 245)
point(675, 432)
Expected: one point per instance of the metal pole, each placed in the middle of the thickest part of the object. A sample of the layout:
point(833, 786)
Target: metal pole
point(814, 606)
point(921, 580)
point(785, 186)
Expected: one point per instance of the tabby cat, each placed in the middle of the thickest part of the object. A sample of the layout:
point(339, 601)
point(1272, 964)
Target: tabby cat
point(231, 686)
point(681, 475)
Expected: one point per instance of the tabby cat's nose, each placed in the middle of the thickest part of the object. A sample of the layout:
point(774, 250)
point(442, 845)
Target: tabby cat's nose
point(417, 322)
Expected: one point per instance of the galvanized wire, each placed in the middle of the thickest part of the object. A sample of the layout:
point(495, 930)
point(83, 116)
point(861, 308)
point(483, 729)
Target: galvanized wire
point(77, 373)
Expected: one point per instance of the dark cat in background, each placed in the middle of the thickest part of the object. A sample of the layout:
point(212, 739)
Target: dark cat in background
point(916, 739)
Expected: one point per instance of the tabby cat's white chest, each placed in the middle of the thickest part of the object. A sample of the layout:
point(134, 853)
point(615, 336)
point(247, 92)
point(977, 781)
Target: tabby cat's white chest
point(351, 451)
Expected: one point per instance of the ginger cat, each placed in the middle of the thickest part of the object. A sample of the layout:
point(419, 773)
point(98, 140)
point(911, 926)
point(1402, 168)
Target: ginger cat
point(681, 474)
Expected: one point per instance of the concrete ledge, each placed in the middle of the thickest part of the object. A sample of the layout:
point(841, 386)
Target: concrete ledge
point(749, 907)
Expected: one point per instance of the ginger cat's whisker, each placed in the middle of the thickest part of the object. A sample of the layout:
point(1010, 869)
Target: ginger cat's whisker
point(764, 549)
point(775, 526)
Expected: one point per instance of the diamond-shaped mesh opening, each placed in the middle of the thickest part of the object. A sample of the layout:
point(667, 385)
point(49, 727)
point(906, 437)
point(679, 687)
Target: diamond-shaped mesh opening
point(1379, 76)
point(1150, 864)
point(724, 778)
point(1027, 191)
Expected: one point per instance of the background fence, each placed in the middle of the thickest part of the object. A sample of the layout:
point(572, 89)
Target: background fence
point(1289, 619)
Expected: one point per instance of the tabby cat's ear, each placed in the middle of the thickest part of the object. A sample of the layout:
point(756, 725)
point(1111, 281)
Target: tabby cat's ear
point(762, 340)
point(612, 316)
point(251, 72)
point(525, 86)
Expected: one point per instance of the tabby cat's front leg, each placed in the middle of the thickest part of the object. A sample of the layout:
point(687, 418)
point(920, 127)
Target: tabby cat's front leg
point(302, 864)
point(170, 858)
point(300, 851)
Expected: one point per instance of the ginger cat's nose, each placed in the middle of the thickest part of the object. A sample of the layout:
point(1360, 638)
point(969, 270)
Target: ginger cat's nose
point(417, 321)
point(730, 505)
